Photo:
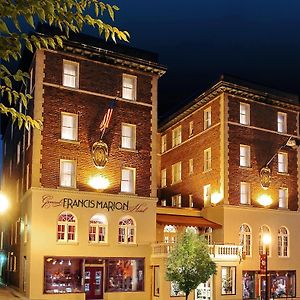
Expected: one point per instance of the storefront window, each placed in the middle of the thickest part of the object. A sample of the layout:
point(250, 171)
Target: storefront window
point(283, 284)
point(156, 281)
point(249, 285)
point(124, 275)
point(175, 291)
point(228, 280)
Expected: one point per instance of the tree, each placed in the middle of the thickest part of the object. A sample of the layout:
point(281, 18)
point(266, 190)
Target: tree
point(189, 262)
point(67, 15)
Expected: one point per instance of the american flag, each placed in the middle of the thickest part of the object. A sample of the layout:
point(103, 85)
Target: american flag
point(107, 116)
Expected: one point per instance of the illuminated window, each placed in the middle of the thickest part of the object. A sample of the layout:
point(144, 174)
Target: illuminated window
point(244, 113)
point(244, 156)
point(176, 200)
point(207, 195)
point(164, 143)
point(283, 242)
point(163, 177)
point(127, 231)
point(228, 280)
point(191, 128)
point(128, 136)
point(207, 118)
point(176, 136)
point(67, 173)
point(207, 159)
point(170, 233)
point(69, 126)
point(176, 172)
point(129, 87)
point(263, 248)
point(70, 74)
point(283, 198)
point(208, 235)
point(281, 122)
point(246, 239)
point(66, 227)
point(128, 180)
point(282, 162)
point(191, 166)
point(191, 200)
point(98, 229)
point(245, 193)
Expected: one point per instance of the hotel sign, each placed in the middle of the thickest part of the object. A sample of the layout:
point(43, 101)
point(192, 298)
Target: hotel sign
point(110, 206)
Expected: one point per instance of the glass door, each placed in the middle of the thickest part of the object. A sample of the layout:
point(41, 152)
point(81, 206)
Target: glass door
point(93, 285)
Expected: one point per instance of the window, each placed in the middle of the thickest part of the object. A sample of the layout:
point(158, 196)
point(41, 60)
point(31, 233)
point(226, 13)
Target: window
point(245, 193)
point(191, 200)
point(163, 202)
point(207, 159)
point(207, 118)
point(175, 291)
point(207, 195)
point(70, 74)
point(263, 248)
point(163, 177)
point(18, 152)
point(244, 156)
point(69, 126)
point(283, 284)
point(283, 242)
point(128, 136)
point(191, 128)
point(156, 287)
point(283, 198)
point(176, 200)
point(66, 227)
point(170, 233)
point(244, 113)
point(98, 229)
point(249, 280)
point(281, 122)
point(176, 136)
point(192, 229)
point(67, 173)
point(208, 235)
point(128, 180)
point(164, 143)
point(228, 280)
point(129, 87)
point(127, 231)
point(282, 162)
point(191, 166)
point(176, 172)
point(246, 239)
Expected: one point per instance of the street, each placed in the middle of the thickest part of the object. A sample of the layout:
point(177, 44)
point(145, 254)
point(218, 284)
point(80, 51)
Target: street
point(7, 293)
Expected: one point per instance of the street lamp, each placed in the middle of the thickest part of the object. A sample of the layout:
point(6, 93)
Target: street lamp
point(266, 240)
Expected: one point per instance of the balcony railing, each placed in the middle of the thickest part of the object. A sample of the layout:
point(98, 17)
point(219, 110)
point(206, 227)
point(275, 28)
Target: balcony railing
point(217, 252)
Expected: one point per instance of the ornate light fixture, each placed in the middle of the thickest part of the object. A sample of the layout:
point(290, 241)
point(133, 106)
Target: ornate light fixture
point(99, 182)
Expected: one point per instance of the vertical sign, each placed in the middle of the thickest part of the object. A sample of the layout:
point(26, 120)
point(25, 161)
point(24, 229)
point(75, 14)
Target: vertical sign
point(263, 263)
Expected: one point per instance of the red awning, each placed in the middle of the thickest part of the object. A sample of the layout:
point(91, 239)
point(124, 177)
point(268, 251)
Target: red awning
point(185, 221)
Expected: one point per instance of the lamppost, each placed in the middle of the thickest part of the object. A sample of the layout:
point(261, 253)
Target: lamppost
point(266, 240)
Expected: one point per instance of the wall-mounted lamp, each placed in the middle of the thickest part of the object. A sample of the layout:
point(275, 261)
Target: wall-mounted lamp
point(99, 182)
point(264, 200)
point(216, 198)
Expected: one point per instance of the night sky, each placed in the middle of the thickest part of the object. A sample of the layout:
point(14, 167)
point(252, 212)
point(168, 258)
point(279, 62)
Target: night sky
point(198, 40)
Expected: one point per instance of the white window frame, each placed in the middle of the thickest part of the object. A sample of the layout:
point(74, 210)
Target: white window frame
point(130, 181)
point(207, 160)
point(176, 200)
point(244, 113)
point(246, 239)
point(281, 122)
point(163, 143)
point(191, 201)
point(128, 141)
point(207, 195)
point(72, 175)
point(283, 242)
point(207, 118)
point(73, 129)
point(75, 77)
point(283, 198)
point(127, 232)
point(228, 278)
point(176, 136)
point(129, 92)
point(191, 166)
point(163, 178)
point(98, 229)
point(170, 234)
point(66, 224)
point(245, 156)
point(282, 162)
point(191, 128)
point(245, 193)
point(176, 172)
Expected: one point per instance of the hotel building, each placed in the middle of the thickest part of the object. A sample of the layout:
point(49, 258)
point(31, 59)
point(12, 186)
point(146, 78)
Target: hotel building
point(231, 156)
point(83, 194)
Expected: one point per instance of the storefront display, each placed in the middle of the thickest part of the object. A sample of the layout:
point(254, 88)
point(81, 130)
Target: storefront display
point(283, 284)
point(249, 280)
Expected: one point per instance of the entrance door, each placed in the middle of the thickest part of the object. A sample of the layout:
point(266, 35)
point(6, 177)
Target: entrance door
point(93, 283)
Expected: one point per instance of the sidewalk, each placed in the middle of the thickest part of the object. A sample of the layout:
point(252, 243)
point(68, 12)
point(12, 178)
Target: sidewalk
point(7, 293)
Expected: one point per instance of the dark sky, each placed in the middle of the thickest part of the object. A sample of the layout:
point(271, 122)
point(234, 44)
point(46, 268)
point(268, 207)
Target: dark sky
point(198, 40)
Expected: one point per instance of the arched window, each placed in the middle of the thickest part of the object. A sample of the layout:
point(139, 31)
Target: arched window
point(98, 229)
point(246, 239)
point(208, 235)
point(263, 249)
point(66, 227)
point(193, 229)
point(170, 233)
point(283, 242)
point(127, 230)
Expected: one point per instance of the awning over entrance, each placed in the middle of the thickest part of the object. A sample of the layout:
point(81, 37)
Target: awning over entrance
point(185, 221)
